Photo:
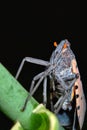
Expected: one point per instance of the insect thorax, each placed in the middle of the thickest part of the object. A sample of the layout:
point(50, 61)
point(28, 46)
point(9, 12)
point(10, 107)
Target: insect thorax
point(63, 62)
point(64, 70)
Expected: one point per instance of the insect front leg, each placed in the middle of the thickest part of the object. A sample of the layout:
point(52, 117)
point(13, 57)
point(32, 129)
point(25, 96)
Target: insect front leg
point(38, 77)
point(44, 86)
point(31, 60)
point(33, 88)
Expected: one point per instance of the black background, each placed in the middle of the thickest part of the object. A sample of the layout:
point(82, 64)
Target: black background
point(29, 29)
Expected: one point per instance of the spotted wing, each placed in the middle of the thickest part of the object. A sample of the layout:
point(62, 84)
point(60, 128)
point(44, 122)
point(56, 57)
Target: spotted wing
point(80, 98)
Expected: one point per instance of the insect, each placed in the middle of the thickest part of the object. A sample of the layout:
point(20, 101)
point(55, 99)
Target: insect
point(65, 81)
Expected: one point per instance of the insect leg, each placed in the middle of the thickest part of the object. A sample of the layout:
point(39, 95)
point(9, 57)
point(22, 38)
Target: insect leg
point(34, 88)
point(52, 89)
point(42, 76)
point(73, 128)
point(38, 76)
point(63, 84)
point(44, 87)
point(65, 96)
point(60, 102)
point(32, 92)
point(45, 91)
point(31, 60)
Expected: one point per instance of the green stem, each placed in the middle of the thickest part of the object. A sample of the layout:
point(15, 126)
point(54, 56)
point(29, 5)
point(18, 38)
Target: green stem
point(12, 98)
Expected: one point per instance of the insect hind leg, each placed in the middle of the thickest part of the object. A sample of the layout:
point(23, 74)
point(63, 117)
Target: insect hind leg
point(31, 60)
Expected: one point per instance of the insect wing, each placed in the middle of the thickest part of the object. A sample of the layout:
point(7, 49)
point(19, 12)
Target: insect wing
point(80, 97)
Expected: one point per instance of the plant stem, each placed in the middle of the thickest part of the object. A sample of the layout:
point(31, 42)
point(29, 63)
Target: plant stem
point(12, 98)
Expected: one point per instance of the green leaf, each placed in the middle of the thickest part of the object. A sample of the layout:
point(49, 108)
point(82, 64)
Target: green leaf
point(41, 119)
point(12, 98)
point(45, 119)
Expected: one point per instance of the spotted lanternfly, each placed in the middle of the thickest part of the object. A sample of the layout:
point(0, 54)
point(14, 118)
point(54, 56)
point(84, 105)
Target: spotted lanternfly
point(65, 82)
